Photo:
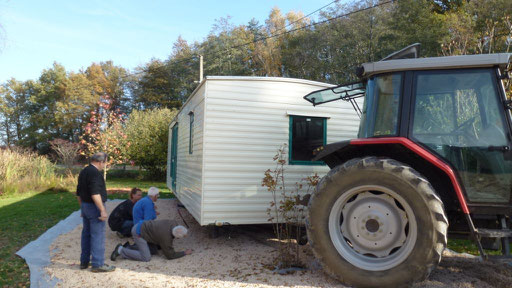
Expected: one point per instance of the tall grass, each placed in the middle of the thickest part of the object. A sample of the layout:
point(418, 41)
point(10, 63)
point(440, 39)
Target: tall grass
point(25, 171)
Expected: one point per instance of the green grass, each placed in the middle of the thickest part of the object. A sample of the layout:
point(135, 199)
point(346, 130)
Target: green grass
point(25, 217)
point(468, 246)
point(142, 184)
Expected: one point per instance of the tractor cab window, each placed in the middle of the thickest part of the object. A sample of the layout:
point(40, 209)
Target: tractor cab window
point(458, 115)
point(380, 109)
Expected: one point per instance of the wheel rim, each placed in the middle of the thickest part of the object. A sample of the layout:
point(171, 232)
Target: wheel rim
point(372, 227)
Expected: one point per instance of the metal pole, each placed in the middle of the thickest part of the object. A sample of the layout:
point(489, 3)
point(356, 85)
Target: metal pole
point(200, 68)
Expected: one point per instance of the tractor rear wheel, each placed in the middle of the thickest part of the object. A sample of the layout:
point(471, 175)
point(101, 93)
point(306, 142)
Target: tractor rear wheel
point(376, 223)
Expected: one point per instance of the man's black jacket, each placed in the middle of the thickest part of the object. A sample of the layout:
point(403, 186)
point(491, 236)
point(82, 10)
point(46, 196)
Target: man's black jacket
point(121, 213)
point(91, 182)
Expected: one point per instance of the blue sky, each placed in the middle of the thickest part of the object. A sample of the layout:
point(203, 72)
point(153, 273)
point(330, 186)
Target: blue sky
point(34, 34)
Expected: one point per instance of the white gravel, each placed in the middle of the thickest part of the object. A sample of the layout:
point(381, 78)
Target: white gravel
point(237, 258)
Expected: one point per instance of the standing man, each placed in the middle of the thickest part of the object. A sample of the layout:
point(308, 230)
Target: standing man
point(121, 219)
point(92, 194)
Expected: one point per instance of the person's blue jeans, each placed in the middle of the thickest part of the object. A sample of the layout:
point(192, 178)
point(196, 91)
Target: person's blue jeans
point(93, 236)
point(127, 228)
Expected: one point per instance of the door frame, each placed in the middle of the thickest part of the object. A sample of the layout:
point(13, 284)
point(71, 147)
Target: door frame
point(174, 155)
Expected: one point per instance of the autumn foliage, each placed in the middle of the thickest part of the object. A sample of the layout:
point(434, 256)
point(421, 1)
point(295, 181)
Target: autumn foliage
point(104, 133)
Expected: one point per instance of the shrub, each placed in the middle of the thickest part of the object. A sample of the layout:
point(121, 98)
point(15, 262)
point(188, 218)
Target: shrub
point(287, 210)
point(147, 132)
point(66, 151)
point(23, 171)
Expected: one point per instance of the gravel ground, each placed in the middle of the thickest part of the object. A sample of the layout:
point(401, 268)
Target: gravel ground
point(239, 257)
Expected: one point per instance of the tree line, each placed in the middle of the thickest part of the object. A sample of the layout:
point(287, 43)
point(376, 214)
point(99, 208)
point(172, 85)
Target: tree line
point(60, 103)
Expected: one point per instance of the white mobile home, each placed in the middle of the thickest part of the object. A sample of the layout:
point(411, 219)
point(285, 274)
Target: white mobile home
point(226, 134)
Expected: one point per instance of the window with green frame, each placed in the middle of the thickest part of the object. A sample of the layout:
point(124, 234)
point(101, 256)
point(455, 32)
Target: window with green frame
point(306, 134)
point(191, 135)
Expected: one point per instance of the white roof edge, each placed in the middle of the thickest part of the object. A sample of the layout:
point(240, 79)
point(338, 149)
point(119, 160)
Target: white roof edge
point(447, 62)
point(249, 78)
point(272, 79)
point(188, 100)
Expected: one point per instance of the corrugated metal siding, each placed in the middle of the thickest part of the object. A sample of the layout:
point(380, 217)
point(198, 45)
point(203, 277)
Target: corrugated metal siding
point(246, 123)
point(189, 166)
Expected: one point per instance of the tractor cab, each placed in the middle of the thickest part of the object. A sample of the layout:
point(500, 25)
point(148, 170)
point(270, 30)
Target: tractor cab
point(446, 119)
point(456, 110)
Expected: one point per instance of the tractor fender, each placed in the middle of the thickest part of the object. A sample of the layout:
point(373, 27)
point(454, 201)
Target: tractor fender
point(399, 148)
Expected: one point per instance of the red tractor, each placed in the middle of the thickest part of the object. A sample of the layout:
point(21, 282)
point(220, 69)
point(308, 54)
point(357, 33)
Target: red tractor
point(433, 156)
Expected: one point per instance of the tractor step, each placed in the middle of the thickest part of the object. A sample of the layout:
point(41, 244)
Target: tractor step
point(504, 234)
point(501, 259)
point(494, 233)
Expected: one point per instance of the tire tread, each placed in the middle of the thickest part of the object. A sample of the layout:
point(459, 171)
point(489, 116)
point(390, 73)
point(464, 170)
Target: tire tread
point(409, 175)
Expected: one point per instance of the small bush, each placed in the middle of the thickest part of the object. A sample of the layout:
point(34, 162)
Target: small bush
point(66, 151)
point(147, 135)
point(24, 171)
point(287, 210)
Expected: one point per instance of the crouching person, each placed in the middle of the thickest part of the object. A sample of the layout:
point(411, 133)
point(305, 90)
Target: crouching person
point(121, 219)
point(160, 232)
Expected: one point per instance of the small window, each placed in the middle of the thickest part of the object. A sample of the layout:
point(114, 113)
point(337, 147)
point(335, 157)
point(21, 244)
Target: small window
point(191, 136)
point(306, 134)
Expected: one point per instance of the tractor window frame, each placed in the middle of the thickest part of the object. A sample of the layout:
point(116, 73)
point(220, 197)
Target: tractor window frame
point(291, 161)
point(371, 108)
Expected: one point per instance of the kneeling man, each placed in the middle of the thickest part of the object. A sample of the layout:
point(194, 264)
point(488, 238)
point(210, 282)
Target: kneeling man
point(160, 232)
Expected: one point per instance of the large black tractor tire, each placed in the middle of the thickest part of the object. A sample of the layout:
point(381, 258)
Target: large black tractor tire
point(376, 223)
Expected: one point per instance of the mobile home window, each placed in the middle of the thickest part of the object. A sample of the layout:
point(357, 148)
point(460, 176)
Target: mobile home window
point(191, 136)
point(306, 134)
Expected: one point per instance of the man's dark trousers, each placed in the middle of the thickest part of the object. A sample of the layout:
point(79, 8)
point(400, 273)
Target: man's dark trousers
point(127, 228)
point(93, 236)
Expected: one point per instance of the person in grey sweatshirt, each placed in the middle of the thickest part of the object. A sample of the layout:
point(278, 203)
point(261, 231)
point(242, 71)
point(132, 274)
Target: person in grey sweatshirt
point(160, 232)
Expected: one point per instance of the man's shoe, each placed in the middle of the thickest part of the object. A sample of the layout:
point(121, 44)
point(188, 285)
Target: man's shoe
point(115, 253)
point(84, 266)
point(104, 268)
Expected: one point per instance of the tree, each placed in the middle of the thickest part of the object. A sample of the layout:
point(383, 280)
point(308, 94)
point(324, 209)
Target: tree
point(443, 6)
point(66, 151)
point(105, 133)
point(226, 50)
point(111, 80)
point(267, 53)
point(461, 39)
point(60, 104)
point(155, 87)
point(148, 133)
point(492, 18)
point(14, 112)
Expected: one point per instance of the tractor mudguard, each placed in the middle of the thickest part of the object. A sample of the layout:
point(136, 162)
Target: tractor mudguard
point(324, 151)
point(336, 153)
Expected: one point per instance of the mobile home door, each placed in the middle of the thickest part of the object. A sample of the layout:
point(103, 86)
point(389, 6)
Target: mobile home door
point(174, 156)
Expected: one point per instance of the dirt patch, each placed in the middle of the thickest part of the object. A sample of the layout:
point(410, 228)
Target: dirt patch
point(239, 257)
point(456, 270)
